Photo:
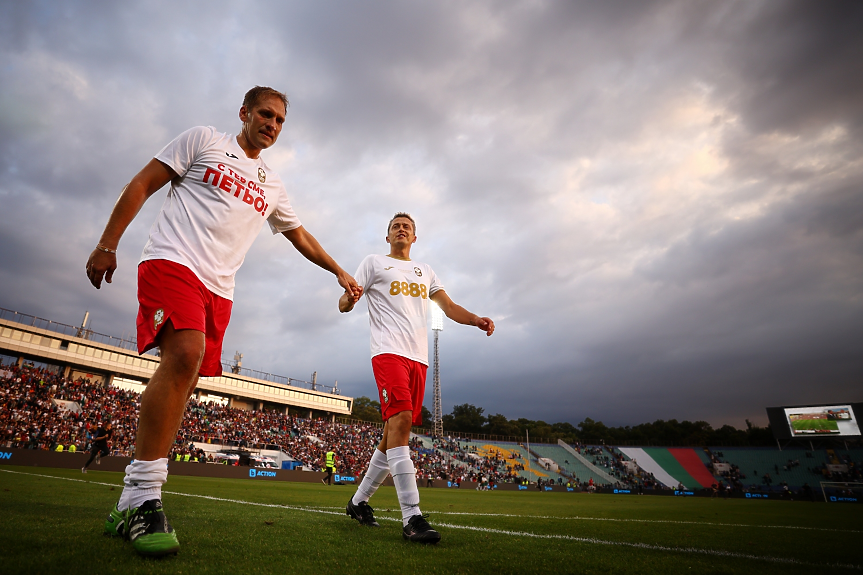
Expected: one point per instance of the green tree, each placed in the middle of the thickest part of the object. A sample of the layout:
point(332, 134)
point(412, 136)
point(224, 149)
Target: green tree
point(591, 430)
point(427, 418)
point(728, 435)
point(565, 431)
point(466, 417)
point(498, 424)
point(540, 430)
point(366, 409)
point(760, 435)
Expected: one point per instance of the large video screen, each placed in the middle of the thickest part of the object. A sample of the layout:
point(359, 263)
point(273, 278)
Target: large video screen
point(832, 420)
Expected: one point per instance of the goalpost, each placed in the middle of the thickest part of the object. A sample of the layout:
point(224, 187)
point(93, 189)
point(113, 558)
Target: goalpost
point(842, 491)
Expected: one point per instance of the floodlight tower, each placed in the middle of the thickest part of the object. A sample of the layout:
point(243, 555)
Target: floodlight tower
point(437, 327)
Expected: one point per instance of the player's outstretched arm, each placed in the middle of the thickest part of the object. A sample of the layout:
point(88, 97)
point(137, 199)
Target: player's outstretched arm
point(309, 247)
point(103, 262)
point(460, 315)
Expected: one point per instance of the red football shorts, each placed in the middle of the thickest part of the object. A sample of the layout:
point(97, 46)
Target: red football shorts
point(167, 290)
point(401, 385)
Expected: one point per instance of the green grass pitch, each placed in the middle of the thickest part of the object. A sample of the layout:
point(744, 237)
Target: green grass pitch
point(52, 523)
point(815, 424)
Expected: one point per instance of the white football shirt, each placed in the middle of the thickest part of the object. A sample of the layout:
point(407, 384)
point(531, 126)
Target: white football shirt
point(398, 293)
point(216, 207)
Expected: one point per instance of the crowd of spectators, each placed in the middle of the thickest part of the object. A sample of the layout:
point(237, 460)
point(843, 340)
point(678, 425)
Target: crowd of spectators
point(733, 476)
point(853, 474)
point(306, 440)
point(29, 418)
point(458, 461)
point(612, 461)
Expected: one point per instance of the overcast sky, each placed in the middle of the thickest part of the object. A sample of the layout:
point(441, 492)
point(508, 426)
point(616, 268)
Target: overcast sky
point(660, 203)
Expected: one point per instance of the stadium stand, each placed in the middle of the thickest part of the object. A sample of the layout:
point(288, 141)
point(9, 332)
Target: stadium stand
point(467, 461)
point(80, 352)
point(749, 468)
point(40, 409)
point(673, 467)
point(29, 418)
point(767, 467)
point(425, 440)
point(573, 466)
point(532, 467)
point(590, 461)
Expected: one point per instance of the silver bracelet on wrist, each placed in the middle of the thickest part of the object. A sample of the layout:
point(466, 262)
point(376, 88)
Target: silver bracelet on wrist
point(102, 248)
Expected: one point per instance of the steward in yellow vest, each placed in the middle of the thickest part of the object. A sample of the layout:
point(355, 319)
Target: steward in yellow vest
point(330, 468)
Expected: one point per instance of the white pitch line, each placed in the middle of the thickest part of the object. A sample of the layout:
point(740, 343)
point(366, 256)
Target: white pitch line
point(321, 510)
point(589, 540)
point(694, 550)
point(664, 521)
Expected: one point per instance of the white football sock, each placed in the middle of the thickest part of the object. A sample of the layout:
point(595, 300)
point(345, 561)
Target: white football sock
point(377, 472)
point(405, 479)
point(143, 481)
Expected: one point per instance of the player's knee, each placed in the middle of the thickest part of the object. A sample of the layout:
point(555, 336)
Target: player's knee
point(399, 428)
point(183, 359)
point(181, 350)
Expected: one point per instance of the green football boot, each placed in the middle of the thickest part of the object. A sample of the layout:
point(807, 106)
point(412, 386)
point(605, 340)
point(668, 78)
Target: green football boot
point(115, 525)
point(149, 530)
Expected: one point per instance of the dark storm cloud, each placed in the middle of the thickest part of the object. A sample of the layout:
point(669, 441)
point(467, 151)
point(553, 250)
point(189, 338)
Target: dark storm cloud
point(798, 66)
point(658, 202)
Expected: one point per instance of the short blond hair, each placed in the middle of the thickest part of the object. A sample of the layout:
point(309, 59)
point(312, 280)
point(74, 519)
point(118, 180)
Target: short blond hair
point(254, 96)
point(402, 215)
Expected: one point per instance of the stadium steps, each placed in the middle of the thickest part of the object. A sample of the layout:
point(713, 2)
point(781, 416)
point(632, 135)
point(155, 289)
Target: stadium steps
point(427, 441)
point(592, 469)
point(618, 452)
point(572, 465)
point(560, 472)
point(704, 456)
point(447, 459)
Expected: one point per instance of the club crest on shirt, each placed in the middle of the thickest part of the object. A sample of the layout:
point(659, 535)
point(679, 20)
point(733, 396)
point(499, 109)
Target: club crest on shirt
point(418, 271)
point(262, 175)
point(385, 396)
point(158, 318)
